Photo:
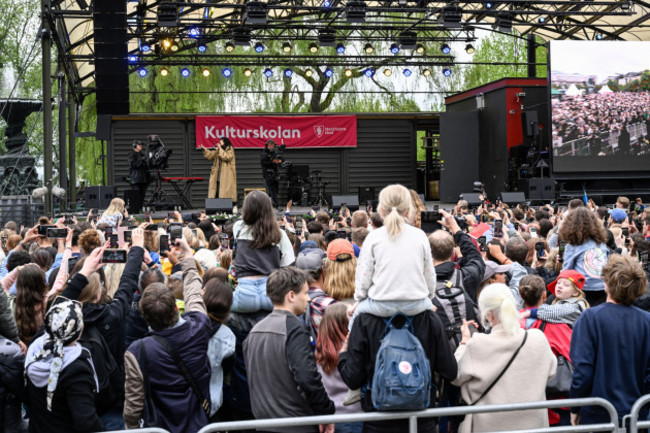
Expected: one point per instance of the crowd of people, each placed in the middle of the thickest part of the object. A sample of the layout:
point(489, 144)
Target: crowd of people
point(595, 116)
point(273, 316)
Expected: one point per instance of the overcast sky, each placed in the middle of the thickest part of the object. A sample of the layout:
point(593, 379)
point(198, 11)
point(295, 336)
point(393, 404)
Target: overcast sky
point(602, 58)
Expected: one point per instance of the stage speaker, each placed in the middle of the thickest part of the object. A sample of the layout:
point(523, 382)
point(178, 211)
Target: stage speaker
point(218, 205)
point(351, 201)
point(531, 124)
point(110, 57)
point(134, 200)
point(99, 196)
point(472, 198)
point(538, 188)
point(513, 198)
point(366, 193)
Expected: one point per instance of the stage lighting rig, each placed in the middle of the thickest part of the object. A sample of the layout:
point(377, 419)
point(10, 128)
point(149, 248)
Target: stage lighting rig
point(327, 37)
point(356, 12)
point(451, 17)
point(241, 37)
point(167, 15)
point(408, 40)
point(255, 13)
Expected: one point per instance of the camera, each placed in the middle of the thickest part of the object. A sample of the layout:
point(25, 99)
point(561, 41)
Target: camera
point(157, 157)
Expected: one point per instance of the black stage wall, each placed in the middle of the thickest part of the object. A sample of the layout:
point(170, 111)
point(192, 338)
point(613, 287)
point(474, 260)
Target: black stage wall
point(385, 154)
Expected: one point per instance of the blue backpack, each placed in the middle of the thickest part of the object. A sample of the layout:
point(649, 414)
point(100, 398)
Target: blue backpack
point(402, 379)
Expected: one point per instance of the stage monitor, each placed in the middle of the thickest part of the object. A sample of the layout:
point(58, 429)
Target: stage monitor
point(600, 105)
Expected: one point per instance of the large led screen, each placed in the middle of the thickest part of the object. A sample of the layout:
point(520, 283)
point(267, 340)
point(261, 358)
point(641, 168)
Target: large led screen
point(600, 105)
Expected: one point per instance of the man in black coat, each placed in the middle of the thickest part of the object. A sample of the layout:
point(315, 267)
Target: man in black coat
point(138, 170)
point(270, 161)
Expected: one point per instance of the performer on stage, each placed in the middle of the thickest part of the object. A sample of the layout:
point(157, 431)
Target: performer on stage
point(223, 176)
point(271, 161)
point(138, 169)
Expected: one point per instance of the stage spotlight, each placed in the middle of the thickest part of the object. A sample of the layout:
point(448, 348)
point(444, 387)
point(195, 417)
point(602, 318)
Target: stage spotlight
point(309, 73)
point(145, 48)
point(142, 72)
point(185, 72)
point(420, 49)
point(340, 48)
point(388, 72)
point(194, 33)
point(599, 36)
point(329, 73)
point(541, 20)
point(227, 72)
point(368, 48)
point(426, 72)
point(348, 72)
point(469, 49)
point(202, 47)
point(133, 59)
point(327, 3)
point(248, 72)
point(268, 73)
point(164, 72)
point(205, 72)
point(174, 46)
point(488, 5)
point(445, 48)
point(166, 43)
point(394, 48)
point(286, 47)
point(369, 72)
point(288, 73)
point(446, 72)
point(259, 47)
point(313, 47)
point(230, 47)
point(407, 72)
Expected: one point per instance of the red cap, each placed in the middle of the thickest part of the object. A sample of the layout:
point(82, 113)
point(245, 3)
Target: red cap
point(576, 278)
point(339, 247)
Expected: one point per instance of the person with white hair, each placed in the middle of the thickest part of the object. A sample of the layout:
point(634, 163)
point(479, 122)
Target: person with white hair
point(508, 365)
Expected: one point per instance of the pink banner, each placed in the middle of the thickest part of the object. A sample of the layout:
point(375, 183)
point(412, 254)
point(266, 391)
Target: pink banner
point(294, 131)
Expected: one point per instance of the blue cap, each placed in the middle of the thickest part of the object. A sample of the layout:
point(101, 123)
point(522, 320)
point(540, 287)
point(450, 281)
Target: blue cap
point(618, 215)
point(307, 244)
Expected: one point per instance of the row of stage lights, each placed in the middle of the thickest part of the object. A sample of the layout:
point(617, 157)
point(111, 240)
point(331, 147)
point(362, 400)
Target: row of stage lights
point(173, 46)
point(288, 72)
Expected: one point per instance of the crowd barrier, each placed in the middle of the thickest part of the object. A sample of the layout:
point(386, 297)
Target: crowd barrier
point(633, 418)
point(580, 146)
point(412, 417)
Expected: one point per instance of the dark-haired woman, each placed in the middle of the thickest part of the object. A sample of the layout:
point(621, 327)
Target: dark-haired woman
point(223, 170)
point(586, 251)
point(217, 296)
point(31, 291)
point(261, 248)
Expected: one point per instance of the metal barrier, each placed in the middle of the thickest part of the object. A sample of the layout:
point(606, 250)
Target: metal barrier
point(413, 417)
point(633, 417)
point(141, 430)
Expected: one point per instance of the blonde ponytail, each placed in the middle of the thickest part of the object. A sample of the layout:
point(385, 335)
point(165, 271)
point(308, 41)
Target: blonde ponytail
point(394, 205)
point(498, 300)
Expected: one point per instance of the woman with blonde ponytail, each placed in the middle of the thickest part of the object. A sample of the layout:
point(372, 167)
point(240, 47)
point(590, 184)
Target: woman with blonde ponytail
point(508, 365)
point(395, 272)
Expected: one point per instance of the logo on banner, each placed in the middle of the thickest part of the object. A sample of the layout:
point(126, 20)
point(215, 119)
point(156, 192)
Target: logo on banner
point(319, 130)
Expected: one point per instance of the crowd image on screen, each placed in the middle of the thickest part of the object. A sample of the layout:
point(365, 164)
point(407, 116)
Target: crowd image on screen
point(615, 123)
point(270, 315)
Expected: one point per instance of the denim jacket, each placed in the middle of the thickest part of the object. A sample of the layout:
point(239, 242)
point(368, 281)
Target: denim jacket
point(588, 259)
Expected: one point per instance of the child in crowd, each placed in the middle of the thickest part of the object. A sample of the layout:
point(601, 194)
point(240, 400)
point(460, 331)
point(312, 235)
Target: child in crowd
point(569, 301)
point(332, 333)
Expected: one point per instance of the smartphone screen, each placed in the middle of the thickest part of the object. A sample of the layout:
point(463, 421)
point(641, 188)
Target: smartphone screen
point(114, 241)
point(533, 232)
point(175, 233)
point(626, 231)
point(55, 233)
point(114, 256)
point(498, 228)
point(127, 236)
point(540, 247)
point(42, 230)
point(561, 250)
point(516, 224)
point(164, 243)
point(482, 243)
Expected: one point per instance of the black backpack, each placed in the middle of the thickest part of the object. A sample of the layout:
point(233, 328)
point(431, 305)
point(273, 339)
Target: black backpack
point(453, 305)
point(109, 375)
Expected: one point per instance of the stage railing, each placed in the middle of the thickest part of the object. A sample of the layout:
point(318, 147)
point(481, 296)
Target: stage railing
point(611, 426)
point(633, 417)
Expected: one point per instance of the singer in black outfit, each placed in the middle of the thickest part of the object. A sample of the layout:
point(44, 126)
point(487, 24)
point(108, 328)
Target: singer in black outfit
point(138, 169)
point(271, 161)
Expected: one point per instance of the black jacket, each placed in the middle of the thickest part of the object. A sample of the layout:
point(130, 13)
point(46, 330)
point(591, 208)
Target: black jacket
point(109, 319)
point(8, 328)
point(357, 365)
point(472, 265)
point(73, 404)
point(137, 167)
